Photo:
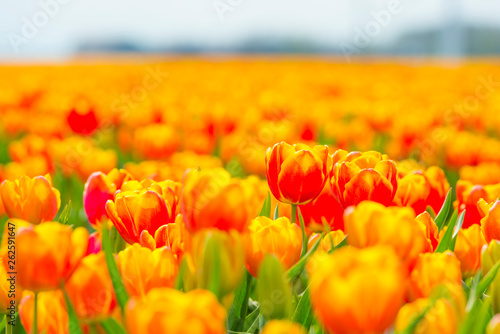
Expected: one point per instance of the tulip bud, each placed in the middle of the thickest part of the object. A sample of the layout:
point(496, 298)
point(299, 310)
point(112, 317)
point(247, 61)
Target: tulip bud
point(359, 279)
point(142, 269)
point(490, 255)
point(468, 246)
point(165, 310)
point(297, 174)
point(277, 237)
point(32, 199)
point(283, 327)
point(274, 290)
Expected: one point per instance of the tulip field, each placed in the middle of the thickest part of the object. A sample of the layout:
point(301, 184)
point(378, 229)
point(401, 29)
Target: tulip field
point(250, 195)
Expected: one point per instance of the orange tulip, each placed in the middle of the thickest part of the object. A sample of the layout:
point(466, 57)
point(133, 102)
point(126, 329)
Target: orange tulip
point(90, 289)
point(333, 238)
point(266, 236)
point(432, 270)
point(59, 249)
point(324, 209)
point(156, 141)
point(430, 229)
point(494, 325)
point(142, 269)
point(165, 310)
point(468, 246)
point(283, 327)
point(297, 174)
point(145, 208)
point(32, 199)
point(100, 188)
point(439, 187)
point(211, 198)
point(413, 191)
point(371, 224)
point(365, 301)
point(52, 317)
point(173, 236)
point(490, 223)
point(364, 176)
point(468, 195)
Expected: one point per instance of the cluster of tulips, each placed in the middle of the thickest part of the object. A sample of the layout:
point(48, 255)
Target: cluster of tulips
point(165, 198)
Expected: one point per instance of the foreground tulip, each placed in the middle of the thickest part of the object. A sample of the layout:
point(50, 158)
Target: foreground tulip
point(364, 176)
point(100, 188)
point(324, 209)
point(266, 236)
point(468, 196)
point(90, 289)
point(165, 310)
point(283, 327)
point(145, 208)
point(371, 224)
point(432, 270)
point(468, 246)
point(296, 174)
point(142, 269)
point(52, 317)
point(32, 199)
point(59, 249)
point(365, 301)
point(211, 198)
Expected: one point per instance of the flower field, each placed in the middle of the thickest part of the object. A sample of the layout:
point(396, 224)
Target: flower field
point(250, 195)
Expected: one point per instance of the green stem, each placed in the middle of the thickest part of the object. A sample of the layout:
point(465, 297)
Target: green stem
point(35, 316)
point(304, 238)
point(294, 213)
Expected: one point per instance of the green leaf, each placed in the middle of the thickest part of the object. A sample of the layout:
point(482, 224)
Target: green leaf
point(276, 211)
point(445, 242)
point(65, 214)
point(304, 236)
point(111, 326)
point(120, 292)
point(477, 318)
point(485, 282)
point(212, 265)
point(303, 312)
point(179, 283)
point(444, 212)
point(237, 313)
point(252, 321)
point(297, 268)
point(456, 230)
point(266, 207)
point(74, 326)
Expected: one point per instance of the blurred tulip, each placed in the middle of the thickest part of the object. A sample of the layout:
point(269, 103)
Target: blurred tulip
point(468, 246)
point(494, 325)
point(211, 198)
point(278, 237)
point(283, 327)
point(432, 270)
point(100, 188)
point(468, 195)
point(439, 187)
point(217, 250)
point(59, 249)
point(10, 293)
point(324, 209)
point(490, 254)
point(156, 141)
point(332, 238)
point(413, 191)
point(82, 122)
point(365, 302)
point(490, 223)
point(165, 310)
point(297, 174)
point(52, 317)
point(146, 208)
point(90, 289)
point(95, 243)
point(372, 223)
point(430, 229)
point(364, 176)
point(142, 269)
point(32, 199)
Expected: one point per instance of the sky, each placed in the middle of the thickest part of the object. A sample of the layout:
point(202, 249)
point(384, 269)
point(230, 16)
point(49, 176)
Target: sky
point(214, 23)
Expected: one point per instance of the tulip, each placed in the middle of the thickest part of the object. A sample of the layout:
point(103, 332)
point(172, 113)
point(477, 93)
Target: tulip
point(365, 301)
point(468, 196)
point(165, 310)
point(212, 199)
point(283, 327)
point(371, 224)
point(324, 209)
point(156, 141)
point(146, 208)
point(142, 269)
point(90, 289)
point(468, 246)
point(100, 188)
point(59, 249)
point(173, 236)
point(430, 229)
point(32, 199)
point(439, 187)
point(211, 247)
point(490, 223)
point(364, 176)
point(10, 293)
point(413, 191)
point(490, 254)
point(332, 238)
point(82, 121)
point(277, 237)
point(297, 174)
point(494, 325)
point(52, 317)
point(432, 270)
